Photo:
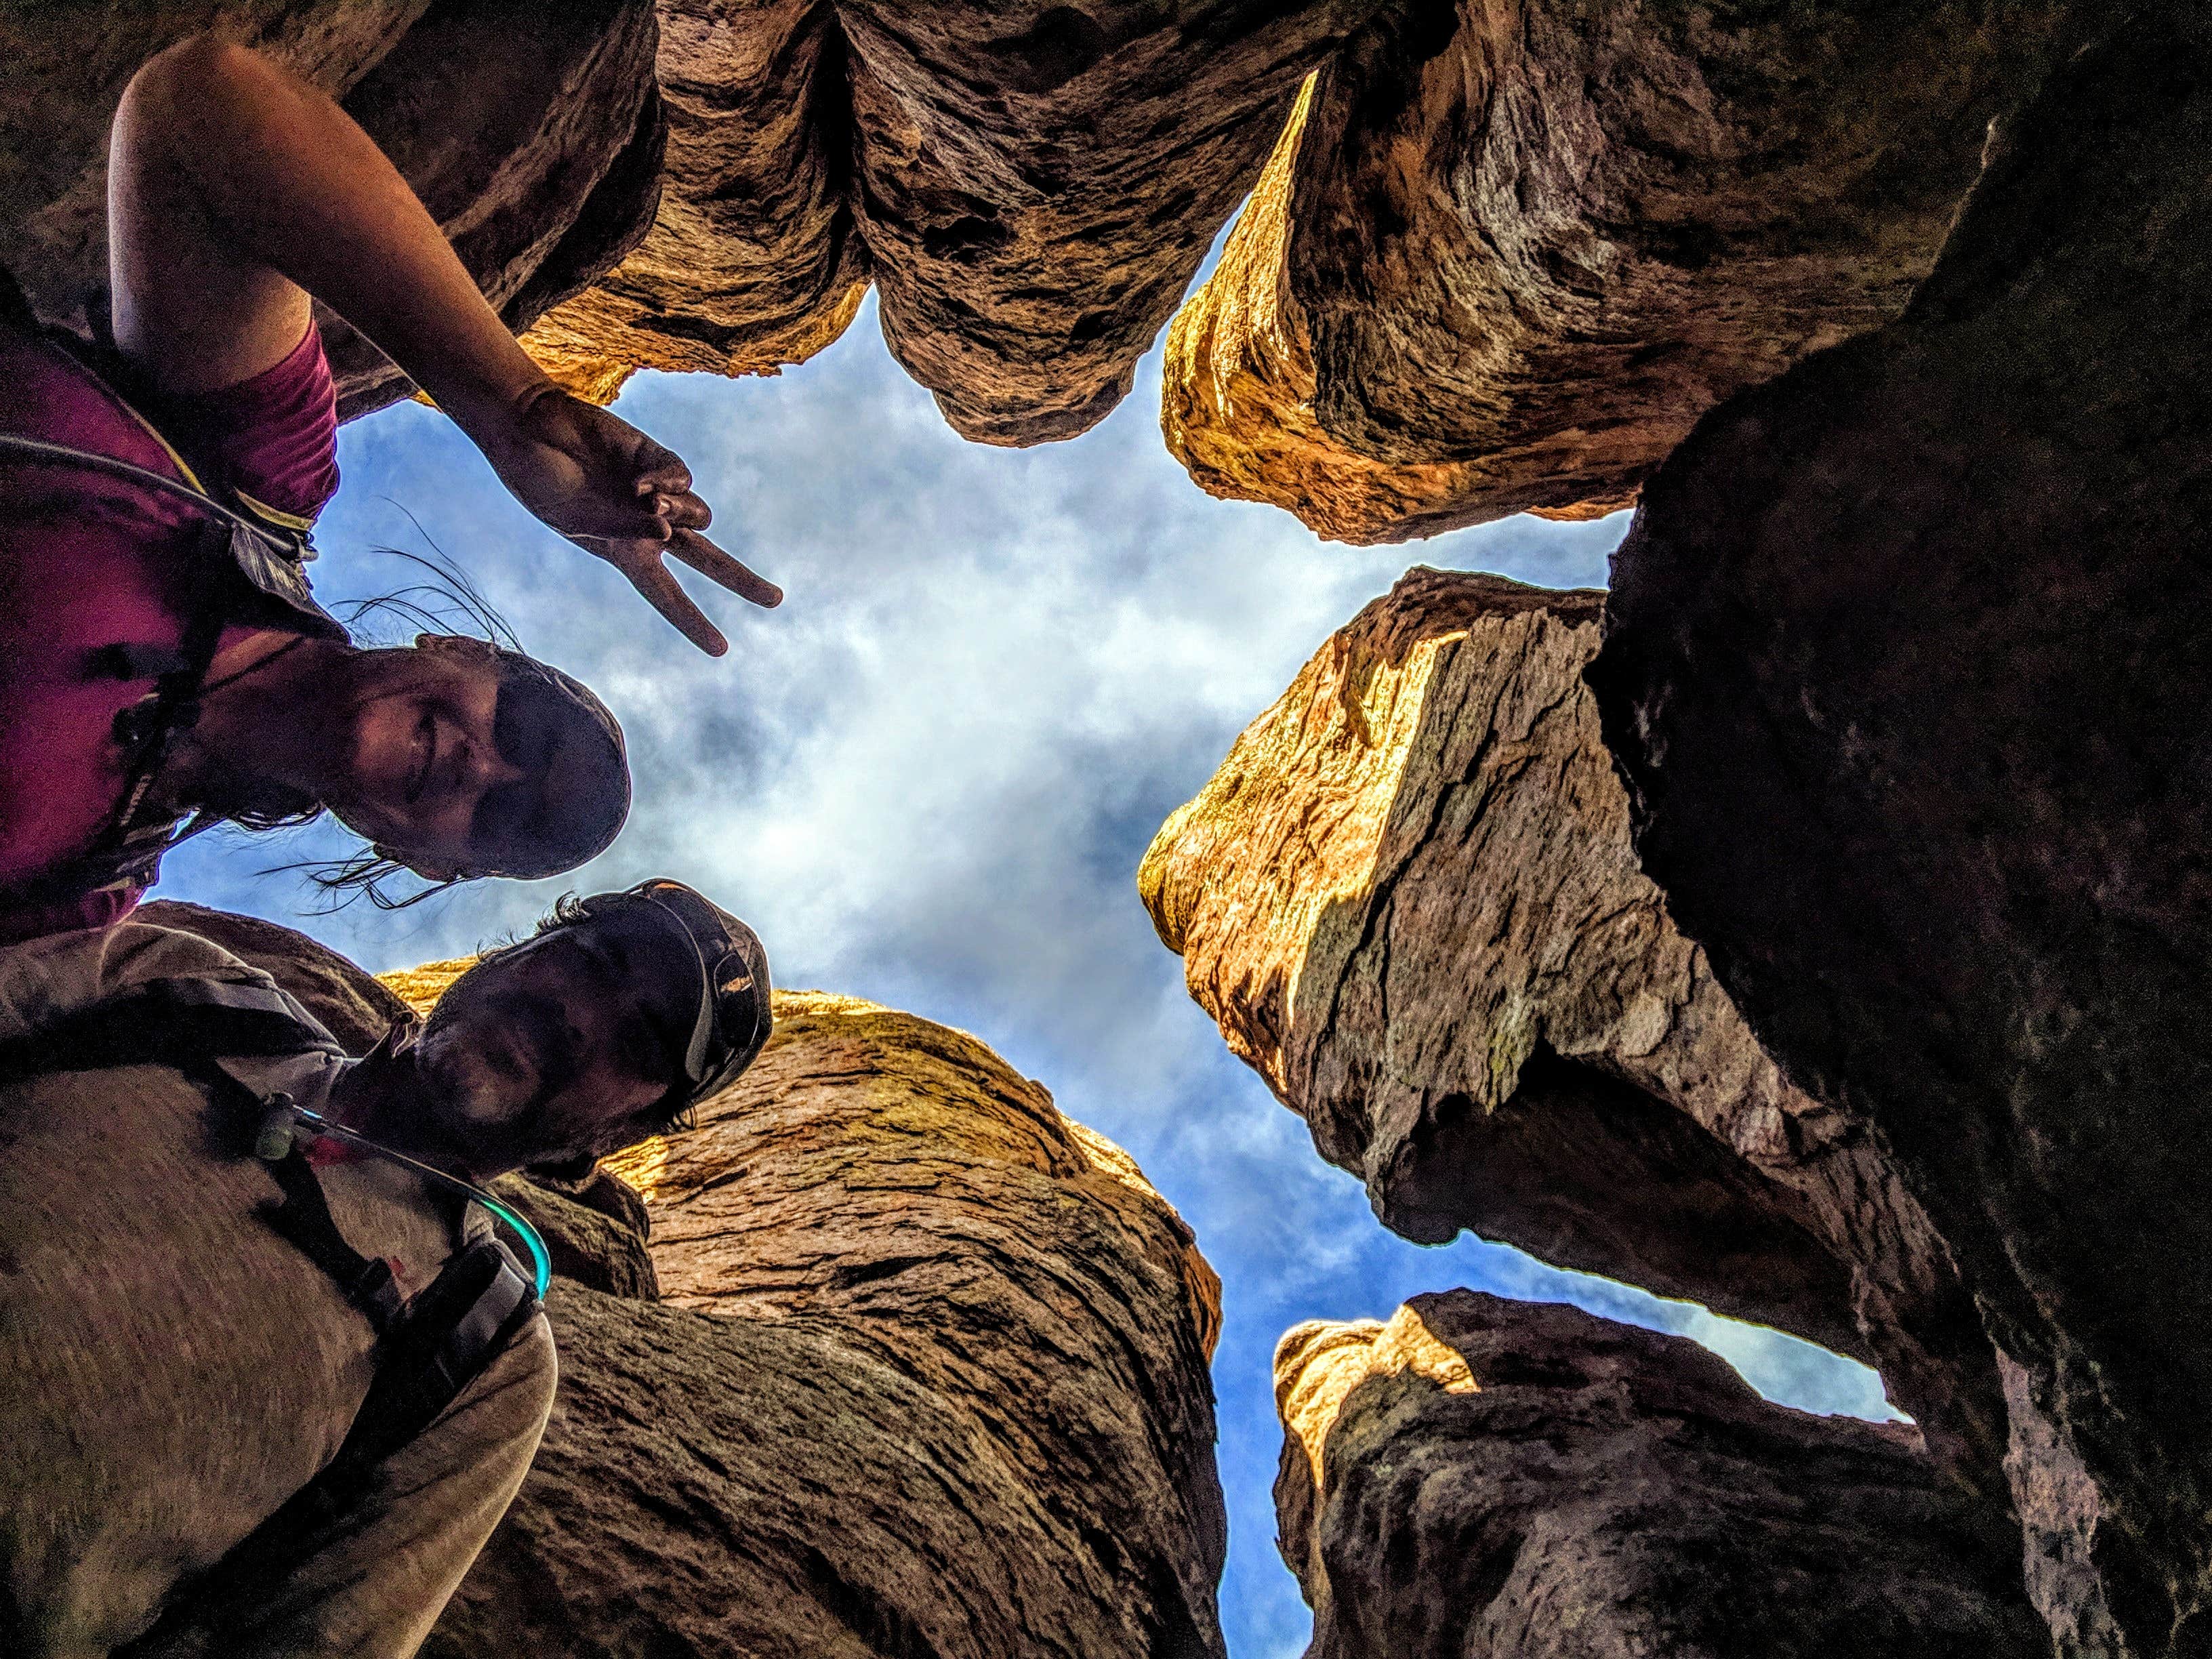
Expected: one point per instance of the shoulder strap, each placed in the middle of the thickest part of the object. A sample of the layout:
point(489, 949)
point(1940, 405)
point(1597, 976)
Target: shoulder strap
point(428, 1350)
point(445, 1340)
point(188, 1023)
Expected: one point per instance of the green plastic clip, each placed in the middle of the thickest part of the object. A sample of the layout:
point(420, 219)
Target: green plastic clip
point(280, 1127)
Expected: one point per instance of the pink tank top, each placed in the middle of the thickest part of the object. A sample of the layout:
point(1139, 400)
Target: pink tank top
point(89, 562)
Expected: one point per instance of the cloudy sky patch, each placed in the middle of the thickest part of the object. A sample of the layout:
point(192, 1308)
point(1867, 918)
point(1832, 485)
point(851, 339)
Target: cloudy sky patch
point(928, 778)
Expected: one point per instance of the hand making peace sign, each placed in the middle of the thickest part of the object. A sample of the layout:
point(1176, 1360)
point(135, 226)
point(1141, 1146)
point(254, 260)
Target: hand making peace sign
point(619, 495)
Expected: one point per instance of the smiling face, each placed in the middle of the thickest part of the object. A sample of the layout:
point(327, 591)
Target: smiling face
point(460, 765)
point(563, 1048)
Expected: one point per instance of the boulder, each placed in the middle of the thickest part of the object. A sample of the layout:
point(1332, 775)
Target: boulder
point(1483, 1477)
point(751, 261)
point(1408, 896)
point(1031, 187)
point(930, 1378)
point(1509, 254)
point(533, 135)
point(1904, 665)
point(1037, 184)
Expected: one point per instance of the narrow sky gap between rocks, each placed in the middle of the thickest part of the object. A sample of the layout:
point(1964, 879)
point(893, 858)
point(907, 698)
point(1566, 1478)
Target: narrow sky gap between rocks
point(928, 779)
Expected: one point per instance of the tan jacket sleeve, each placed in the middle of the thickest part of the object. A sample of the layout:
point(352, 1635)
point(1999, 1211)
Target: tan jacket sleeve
point(372, 1583)
point(45, 980)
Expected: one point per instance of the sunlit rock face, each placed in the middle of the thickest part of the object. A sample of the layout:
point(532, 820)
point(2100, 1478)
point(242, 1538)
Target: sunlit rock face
point(930, 1377)
point(1486, 1478)
point(1031, 187)
point(1906, 664)
point(1512, 251)
point(533, 134)
point(1409, 898)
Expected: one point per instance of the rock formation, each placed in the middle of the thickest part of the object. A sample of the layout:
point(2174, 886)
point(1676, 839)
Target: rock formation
point(1031, 187)
point(1482, 1477)
point(934, 1381)
point(1509, 253)
point(1905, 666)
point(752, 262)
point(533, 134)
point(1504, 256)
point(1409, 897)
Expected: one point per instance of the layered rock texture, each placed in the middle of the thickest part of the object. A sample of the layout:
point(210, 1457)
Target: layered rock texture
point(1482, 1477)
point(1904, 665)
point(1507, 253)
point(930, 1374)
point(1502, 257)
point(1030, 188)
point(1409, 897)
point(533, 134)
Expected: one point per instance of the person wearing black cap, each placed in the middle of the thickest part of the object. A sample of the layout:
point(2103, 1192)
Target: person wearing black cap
point(195, 1372)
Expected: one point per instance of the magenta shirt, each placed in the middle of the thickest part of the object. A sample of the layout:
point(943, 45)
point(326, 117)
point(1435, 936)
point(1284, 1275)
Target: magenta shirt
point(89, 561)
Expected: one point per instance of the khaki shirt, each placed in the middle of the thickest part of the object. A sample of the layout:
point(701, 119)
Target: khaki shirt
point(171, 1369)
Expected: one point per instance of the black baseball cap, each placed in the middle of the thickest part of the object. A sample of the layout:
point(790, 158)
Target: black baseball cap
point(734, 1019)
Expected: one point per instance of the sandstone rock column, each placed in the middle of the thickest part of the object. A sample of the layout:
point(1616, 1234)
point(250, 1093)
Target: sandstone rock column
point(930, 1379)
point(1486, 1478)
point(752, 262)
point(1906, 665)
point(1031, 187)
point(533, 134)
point(1510, 252)
point(1409, 898)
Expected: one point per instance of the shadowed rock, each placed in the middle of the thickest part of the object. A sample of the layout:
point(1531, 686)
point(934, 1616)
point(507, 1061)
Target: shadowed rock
point(1039, 182)
point(533, 133)
point(1483, 1477)
point(1030, 186)
point(1906, 665)
point(936, 1384)
point(752, 262)
point(1409, 898)
point(1511, 253)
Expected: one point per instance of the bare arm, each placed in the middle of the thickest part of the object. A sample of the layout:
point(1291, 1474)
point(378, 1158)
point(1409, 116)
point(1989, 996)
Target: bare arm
point(236, 190)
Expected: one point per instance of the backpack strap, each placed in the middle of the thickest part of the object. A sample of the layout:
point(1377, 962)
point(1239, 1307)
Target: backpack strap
point(303, 1218)
point(244, 539)
point(428, 1350)
point(188, 1023)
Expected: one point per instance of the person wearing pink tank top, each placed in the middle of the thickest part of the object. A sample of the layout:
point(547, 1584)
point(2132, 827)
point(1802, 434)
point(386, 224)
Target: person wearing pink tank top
point(163, 665)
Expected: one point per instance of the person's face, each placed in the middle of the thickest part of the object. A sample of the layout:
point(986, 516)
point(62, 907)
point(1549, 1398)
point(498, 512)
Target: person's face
point(561, 1048)
point(441, 777)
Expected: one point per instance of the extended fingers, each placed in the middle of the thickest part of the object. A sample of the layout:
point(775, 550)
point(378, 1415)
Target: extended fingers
point(720, 568)
point(659, 585)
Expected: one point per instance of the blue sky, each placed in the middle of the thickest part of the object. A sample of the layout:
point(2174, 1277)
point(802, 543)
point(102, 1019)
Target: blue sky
point(928, 778)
